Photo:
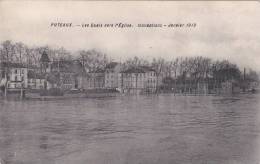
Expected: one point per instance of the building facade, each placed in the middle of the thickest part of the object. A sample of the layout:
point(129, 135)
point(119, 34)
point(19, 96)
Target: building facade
point(230, 87)
point(35, 80)
point(67, 74)
point(16, 74)
point(45, 63)
point(137, 80)
point(112, 71)
point(95, 79)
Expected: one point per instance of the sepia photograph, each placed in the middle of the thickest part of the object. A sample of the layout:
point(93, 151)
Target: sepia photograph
point(129, 82)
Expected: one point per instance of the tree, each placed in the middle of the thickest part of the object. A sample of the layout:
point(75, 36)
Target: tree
point(7, 54)
point(8, 51)
point(29, 56)
point(92, 59)
point(61, 54)
point(135, 62)
point(224, 70)
point(19, 48)
point(159, 66)
point(19, 52)
point(252, 76)
point(168, 82)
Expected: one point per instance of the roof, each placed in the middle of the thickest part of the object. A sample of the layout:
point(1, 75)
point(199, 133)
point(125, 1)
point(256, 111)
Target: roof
point(44, 57)
point(147, 68)
point(111, 65)
point(33, 67)
point(12, 65)
point(133, 70)
point(140, 69)
point(78, 68)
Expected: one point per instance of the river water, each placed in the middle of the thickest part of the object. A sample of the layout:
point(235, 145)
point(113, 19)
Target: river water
point(164, 129)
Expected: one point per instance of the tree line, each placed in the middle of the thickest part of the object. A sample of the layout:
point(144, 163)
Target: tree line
point(180, 69)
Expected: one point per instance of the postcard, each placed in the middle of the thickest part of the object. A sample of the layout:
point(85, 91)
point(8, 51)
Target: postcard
point(129, 82)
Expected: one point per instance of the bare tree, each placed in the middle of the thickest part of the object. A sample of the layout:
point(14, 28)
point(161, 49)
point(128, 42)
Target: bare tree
point(135, 62)
point(159, 66)
point(92, 59)
point(6, 57)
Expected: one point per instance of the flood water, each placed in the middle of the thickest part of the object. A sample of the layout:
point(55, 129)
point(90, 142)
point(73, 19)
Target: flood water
point(164, 129)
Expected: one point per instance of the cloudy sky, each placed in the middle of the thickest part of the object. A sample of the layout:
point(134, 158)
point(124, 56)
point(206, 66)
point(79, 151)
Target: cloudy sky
point(225, 30)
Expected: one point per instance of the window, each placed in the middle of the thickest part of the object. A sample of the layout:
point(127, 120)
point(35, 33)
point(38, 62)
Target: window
point(15, 78)
point(15, 71)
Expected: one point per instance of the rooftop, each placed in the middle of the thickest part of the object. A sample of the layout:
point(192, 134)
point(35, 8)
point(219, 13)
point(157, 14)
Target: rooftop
point(140, 69)
point(44, 58)
point(111, 65)
point(12, 65)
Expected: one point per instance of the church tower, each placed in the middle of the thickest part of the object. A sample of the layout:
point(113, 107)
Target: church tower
point(45, 63)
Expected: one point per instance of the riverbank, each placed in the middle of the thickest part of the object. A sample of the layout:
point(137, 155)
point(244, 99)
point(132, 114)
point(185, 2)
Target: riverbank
point(91, 93)
point(95, 93)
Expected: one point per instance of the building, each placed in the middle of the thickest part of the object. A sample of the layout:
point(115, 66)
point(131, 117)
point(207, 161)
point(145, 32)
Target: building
point(202, 88)
point(96, 79)
point(112, 71)
point(45, 63)
point(253, 85)
point(138, 80)
point(230, 87)
point(67, 75)
point(80, 75)
point(36, 80)
point(64, 74)
point(16, 75)
point(2, 76)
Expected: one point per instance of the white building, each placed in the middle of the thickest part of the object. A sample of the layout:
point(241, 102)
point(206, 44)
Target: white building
point(112, 71)
point(136, 80)
point(16, 73)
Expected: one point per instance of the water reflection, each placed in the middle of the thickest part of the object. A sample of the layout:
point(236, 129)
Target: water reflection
point(133, 129)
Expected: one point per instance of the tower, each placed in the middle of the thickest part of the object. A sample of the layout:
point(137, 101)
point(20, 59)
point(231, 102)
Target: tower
point(45, 63)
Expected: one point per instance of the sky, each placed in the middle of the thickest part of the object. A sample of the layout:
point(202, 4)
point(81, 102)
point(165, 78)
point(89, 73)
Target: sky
point(224, 29)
